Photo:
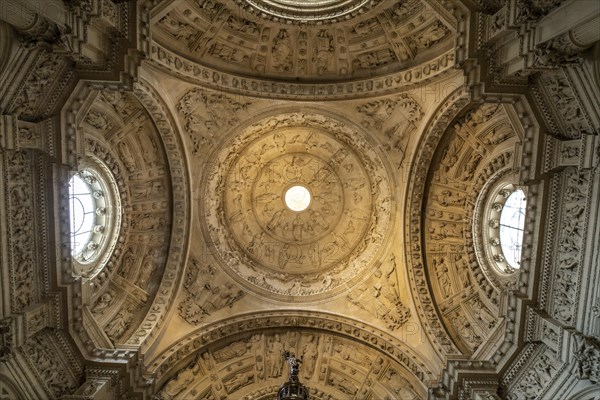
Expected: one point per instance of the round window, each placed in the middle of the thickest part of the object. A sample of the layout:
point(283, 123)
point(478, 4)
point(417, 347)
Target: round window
point(512, 222)
point(88, 215)
point(504, 222)
point(93, 222)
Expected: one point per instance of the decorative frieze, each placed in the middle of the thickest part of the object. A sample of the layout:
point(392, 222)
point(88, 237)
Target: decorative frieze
point(570, 234)
point(25, 284)
point(54, 362)
point(218, 80)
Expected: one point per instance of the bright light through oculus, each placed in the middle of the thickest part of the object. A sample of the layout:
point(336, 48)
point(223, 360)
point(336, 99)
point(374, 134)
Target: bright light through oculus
point(297, 198)
point(82, 214)
point(512, 223)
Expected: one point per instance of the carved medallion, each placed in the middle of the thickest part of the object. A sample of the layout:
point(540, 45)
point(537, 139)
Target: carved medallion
point(319, 246)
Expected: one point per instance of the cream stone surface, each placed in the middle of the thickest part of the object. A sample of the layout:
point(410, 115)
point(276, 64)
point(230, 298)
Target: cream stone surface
point(321, 176)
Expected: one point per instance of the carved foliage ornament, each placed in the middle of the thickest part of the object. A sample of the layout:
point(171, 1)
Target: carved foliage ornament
point(280, 251)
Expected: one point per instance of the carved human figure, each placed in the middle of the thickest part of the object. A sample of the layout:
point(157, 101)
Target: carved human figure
point(462, 268)
point(431, 34)
point(309, 356)
point(242, 25)
point(178, 29)
point(115, 329)
point(103, 303)
point(147, 268)
point(149, 147)
point(227, 53)
point(126, 157)
point(282, 51)
point(467, 332)
point(149, 189)
point(146, 222)
point(180, 382)
point(545, 369)
point(220, 297)
point(442, 274)
point(275, 352)
point(343, 384)
point(239, 381)
point(350, 353)
point(235, 349)
point(324, 50)
point(365, 28)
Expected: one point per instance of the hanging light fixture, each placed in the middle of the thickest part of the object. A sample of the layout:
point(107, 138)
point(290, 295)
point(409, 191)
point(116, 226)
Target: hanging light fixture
point(292, 389)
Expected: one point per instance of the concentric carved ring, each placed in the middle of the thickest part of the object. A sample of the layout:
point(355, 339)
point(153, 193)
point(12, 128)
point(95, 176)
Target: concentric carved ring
point(307, 11)
point(271, 246)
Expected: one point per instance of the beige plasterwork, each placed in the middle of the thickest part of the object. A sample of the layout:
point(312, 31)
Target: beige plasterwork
point(225, 154)
point(408, 123)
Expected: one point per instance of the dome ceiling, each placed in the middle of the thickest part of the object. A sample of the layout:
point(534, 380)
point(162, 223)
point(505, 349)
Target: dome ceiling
point(285, 252)
point(332, 40)
point(404, 125)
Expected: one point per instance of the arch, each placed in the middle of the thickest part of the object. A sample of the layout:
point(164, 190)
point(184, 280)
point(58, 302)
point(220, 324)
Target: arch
point(164, 365)
point(10, 390)
point(416, 271)
point(591, 392)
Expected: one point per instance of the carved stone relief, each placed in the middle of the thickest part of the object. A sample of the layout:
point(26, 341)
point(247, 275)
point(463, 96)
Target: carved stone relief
point(343, 350)
point(245, 43)
point(535, 375)
point(206, 293)
point(6, 339)
point(328, 362)
point(556, 97)
point(219, 80)
point(381, 297)
point(587, 358)
point(285, 252)
point(447, 227)
point(395, 120)
point(133, 152)
point(570, 230)
point(21, 205)
point(31, 101)
point(119, 324)
point(203, 113)
point(55, 365)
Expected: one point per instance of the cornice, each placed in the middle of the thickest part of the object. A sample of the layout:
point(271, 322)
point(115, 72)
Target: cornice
point(403, 81)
